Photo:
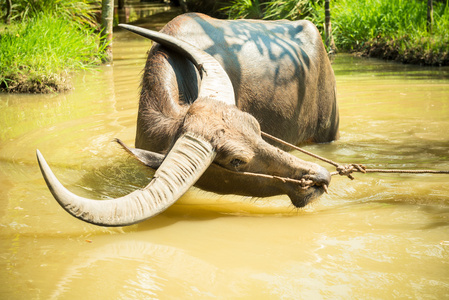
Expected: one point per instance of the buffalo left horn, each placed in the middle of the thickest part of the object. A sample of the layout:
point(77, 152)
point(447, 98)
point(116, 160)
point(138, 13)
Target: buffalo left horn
point(185, 163)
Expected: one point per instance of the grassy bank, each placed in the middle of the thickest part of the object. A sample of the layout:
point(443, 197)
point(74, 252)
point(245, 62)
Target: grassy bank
point(390, 29)
point(393, 29)
point(45, 43)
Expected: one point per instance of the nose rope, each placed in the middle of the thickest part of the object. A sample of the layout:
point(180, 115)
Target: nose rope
point(304, 182)
point(348, 169)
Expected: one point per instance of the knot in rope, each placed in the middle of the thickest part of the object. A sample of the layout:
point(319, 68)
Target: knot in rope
point(305, 183)
point(347, 170)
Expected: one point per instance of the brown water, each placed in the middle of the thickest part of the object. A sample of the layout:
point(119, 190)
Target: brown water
point(377, 237)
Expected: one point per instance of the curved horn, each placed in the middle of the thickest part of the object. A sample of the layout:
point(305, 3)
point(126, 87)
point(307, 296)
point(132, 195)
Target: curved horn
point(185, 163)
point(215, 81)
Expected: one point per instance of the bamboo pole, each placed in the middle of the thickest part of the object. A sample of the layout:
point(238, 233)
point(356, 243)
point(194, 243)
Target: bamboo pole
point(8, 11)
point(429, 16)
point(107, 18)
point(328, 28)
point(121, 4)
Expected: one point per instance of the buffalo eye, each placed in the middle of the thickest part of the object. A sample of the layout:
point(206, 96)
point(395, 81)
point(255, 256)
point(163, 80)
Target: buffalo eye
point(237, 162)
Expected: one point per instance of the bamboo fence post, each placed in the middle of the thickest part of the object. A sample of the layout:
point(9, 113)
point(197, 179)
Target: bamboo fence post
point(429, 16)
point(328, 28)
point(8, 12)
point(107, 18)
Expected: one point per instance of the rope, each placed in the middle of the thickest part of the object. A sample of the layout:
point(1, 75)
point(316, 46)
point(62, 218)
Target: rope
point(304, 182)
point(347, 170)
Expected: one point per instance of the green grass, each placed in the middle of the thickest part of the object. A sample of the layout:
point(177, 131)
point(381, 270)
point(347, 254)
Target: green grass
point(37, 55)
point(244, 9)
point(290, 10)
point(269, 10)
point(46, 41)
point(392, 29)
point(356, 21)
point(81, 11)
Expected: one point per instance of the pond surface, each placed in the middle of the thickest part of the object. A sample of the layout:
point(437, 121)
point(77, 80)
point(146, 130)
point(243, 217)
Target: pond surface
point(377, 237)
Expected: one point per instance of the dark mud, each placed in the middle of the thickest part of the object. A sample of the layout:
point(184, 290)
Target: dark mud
point(405, 51)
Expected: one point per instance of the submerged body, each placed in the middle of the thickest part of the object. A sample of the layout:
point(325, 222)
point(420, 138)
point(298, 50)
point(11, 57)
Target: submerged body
point(210, 87)
point(279, 70)
point(280, 74)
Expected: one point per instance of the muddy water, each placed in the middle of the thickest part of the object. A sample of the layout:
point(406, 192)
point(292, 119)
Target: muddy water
point(377, 237)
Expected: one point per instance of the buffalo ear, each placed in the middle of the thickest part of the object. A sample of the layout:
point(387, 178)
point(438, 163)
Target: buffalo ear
point(148, 158)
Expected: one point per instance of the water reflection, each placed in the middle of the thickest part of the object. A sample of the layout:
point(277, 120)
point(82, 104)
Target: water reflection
point(352, 65)
point(355, 254)
point(134, 11)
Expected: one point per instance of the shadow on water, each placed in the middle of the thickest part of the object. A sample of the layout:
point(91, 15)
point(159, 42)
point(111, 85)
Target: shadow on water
point(118, 177)
point(115, 179)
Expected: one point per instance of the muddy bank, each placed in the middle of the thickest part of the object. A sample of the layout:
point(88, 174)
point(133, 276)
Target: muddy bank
point(37, 85)
point(405, 51)
point(30, 80)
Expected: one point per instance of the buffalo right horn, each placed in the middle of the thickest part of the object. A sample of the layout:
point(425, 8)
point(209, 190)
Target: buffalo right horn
point(215, 82)
point(185, 163)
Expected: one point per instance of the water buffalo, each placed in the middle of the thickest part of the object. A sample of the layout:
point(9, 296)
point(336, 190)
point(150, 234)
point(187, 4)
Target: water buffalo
point(209, 88)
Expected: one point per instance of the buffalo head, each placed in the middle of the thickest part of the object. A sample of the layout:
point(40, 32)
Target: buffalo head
point(214, 145)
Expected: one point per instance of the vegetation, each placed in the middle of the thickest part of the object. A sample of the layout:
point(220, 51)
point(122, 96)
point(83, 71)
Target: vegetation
point(394, 29)
point(79, 11)
point(245, 9)
point(391, 29)
point(47, 40)
point(271, 10)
